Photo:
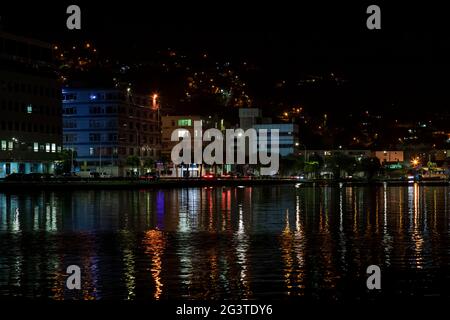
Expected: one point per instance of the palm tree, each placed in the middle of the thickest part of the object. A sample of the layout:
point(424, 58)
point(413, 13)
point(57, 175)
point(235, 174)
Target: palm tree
point(149, 164)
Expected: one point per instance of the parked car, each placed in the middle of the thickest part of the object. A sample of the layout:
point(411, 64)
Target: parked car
point(33, 177)
point(69, 174)
point(47, 176)
point(209, 176)
point(149, 176)
point(94, 175)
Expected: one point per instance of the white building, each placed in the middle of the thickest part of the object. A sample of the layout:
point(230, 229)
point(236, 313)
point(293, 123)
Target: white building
point(288, 136)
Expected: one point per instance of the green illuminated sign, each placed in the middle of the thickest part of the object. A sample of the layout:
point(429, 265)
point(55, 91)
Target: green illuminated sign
point(184, 122)
point(395, 166)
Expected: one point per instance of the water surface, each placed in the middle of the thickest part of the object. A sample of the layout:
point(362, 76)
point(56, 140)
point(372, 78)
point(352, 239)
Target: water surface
point(226, 243)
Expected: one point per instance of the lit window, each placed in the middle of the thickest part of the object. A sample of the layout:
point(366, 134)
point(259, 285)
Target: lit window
point(53, 147)
point(47, 147)
point(91, 151)
point(36, 147)
point(29, 108)
point(10, 145)
point(183, 134)
point(3, 145)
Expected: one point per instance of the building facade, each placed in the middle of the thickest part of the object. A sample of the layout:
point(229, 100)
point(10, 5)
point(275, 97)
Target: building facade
point(249, 117)
point(389, 156)
point(170, 124)
point(287, 134)
point(107, 126)
point(30, 107)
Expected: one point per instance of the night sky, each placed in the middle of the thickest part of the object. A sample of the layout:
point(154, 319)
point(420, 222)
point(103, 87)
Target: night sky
point(404, 66)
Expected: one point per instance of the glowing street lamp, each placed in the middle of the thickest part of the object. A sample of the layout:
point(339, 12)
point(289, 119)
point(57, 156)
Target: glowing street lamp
point(155, 97)
point(415, 162)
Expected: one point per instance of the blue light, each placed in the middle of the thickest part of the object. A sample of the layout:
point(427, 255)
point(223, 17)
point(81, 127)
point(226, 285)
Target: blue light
point(92, 97)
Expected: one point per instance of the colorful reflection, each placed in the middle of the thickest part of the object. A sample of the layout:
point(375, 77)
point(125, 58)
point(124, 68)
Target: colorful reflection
point(223, 243)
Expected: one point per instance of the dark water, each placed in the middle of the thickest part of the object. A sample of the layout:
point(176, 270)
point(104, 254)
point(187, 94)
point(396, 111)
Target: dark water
point(225, 243)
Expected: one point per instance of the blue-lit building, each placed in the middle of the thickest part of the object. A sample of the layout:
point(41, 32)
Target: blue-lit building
point(106, 126)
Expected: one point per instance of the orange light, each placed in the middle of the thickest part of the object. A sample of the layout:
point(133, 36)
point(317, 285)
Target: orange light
point(415, 162)
point(155, 97)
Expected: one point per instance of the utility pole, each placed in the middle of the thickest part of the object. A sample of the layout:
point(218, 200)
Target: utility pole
point(100, 157)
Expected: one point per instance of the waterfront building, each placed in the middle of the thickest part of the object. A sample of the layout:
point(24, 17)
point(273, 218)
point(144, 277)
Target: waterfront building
point(171, 123)
point(186, 123)
point(288, 137)
point(107, 126)
point(30, 107)
point(389, 156)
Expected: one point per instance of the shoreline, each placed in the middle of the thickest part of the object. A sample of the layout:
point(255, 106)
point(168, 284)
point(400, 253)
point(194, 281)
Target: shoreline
point(193, 183)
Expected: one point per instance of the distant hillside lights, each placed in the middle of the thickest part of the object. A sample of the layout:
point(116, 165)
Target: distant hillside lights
point(260, 144)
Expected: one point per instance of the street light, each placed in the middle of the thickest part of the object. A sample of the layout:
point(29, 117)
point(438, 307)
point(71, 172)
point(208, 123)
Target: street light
point(304, 147)
point(155, 97)
point(415, 162)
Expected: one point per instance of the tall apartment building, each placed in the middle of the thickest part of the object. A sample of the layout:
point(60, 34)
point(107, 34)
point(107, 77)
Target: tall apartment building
point(106, 126)
point(30, 107)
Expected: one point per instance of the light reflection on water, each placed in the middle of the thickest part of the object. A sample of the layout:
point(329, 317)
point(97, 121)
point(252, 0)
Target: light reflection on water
point(268, 241)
